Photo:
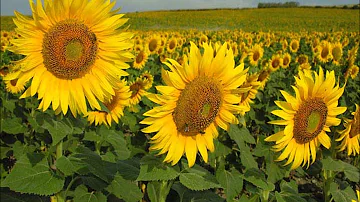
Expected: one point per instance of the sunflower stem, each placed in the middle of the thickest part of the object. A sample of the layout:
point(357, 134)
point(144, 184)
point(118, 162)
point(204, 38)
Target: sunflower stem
point(59, 150)
point(165, 189)
point(59, 153)
point(328, 177)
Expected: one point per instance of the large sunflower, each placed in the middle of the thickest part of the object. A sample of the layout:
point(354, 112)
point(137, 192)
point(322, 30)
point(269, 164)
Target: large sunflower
point(206, 83)
point(307, 117)
point(350, 137)
point(74, 52)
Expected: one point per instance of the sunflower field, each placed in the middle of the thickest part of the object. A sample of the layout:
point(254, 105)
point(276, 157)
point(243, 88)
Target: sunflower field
point(207, 105)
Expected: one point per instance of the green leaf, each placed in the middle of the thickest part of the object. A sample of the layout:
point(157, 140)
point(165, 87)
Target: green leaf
point(197, 178)
point(20, 149)
point(231, 181)
point(289, 192)
point(31, 174)
point(57, 129)
point(13, 126)
point(340, 195)
point(94, 182)
point(152, 168)
point(86, 161)
point(195, 196)
point(91, 136)
point(65, 166)
point(16, 197)
point(8, 104)
point(124, 189)
point(82, 195)
point(350, 171)
point(116, 139)
point(4, 151)
point(247, 159)
point(257, 178)
point(129, 169)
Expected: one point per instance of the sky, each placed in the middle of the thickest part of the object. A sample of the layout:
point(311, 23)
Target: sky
point(8, 6)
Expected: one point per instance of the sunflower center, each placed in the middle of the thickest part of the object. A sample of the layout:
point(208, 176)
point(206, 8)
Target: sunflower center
point(139, 57)
point(286, 61)
point(309, 120)
point(324, 52)
point(13, 82)
point(69, 49)
point(336, 52)
point(153, 45)
point(256, 56)
point(294, 46)
point(74, 50)
point(198, 105)
point(275, 63)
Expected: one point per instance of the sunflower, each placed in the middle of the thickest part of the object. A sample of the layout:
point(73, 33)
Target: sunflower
point(204, 82)
point(352, 53)
point(203, 39)
point(255, 54)
point(251, 87)
point(350, 137)
point(286, 59)
point(153, 44)
point(140, 60)
point(171, 45)
point(13, 84)
point(137, 89)
point(74, 53)
point(307, 117)
point(148, 79)
point(284, 44)
point(4, 70)
point(275, 62)
point(324, 52)
point(336, 53)
point(352, 71)
point(294, 45)
point(138, 48)
point(115, 106)
point(264, 76)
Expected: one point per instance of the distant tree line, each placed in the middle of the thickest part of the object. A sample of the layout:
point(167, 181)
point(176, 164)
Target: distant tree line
point(289, 4)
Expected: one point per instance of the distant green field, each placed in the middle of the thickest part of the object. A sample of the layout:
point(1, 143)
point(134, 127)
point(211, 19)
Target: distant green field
point(274, 19)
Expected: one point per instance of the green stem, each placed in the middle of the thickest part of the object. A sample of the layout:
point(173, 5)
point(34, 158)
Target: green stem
point(327, 177)
point(69, 186)
point(59, 150)
point(59, 153)
point(165, 189)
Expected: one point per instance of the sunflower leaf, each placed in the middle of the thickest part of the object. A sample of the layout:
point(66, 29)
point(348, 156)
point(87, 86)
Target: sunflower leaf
point(31, 174)
point(152, 169)
point(186, 194)
point(231, 181)
point(197, 178)
point(82, 195)
point(350, 171)
point(12, 126)
point(124, 189)
point(57, 129)
point(346, 194)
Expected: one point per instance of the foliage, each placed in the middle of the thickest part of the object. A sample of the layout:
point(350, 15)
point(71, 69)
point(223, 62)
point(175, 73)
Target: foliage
point(99, 163)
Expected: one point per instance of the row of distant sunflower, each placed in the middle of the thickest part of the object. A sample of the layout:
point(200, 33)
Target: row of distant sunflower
point(213, 80)
point(263, 50)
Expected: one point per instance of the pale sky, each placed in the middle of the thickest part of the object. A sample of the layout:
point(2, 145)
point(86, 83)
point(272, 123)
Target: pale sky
point(8, 6)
